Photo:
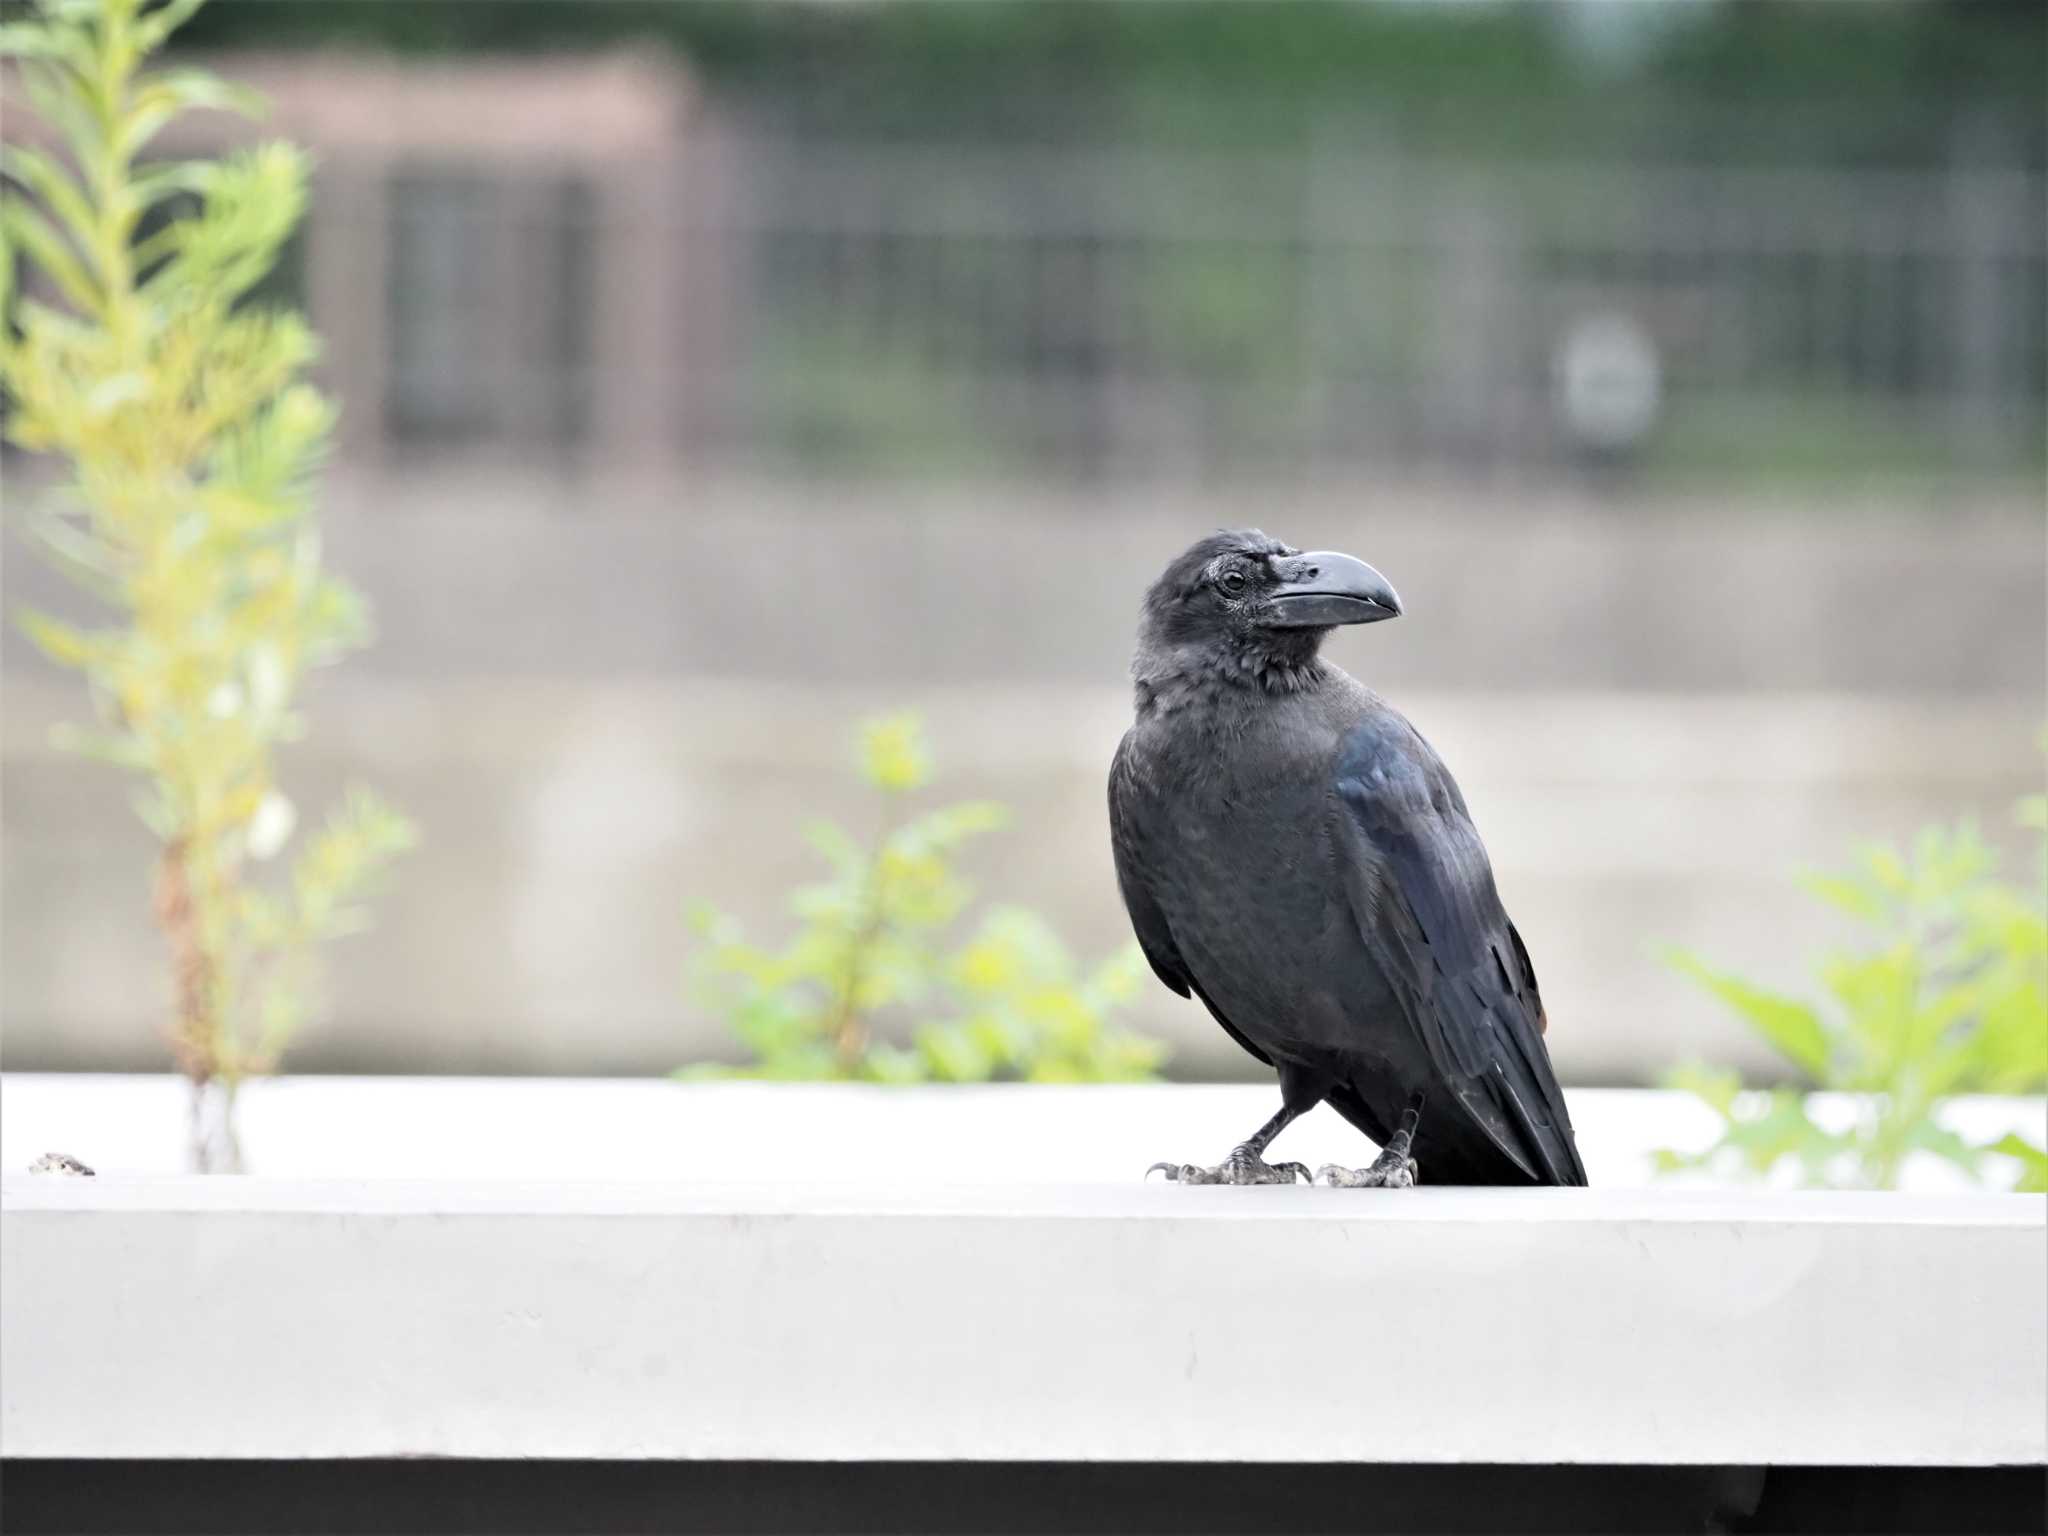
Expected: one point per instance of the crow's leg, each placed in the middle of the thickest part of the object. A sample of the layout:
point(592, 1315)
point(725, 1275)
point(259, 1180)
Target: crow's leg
point(1246, 1163)
point(1392, 1169)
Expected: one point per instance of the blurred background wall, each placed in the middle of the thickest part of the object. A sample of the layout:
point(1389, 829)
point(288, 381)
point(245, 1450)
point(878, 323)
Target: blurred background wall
point(715, 375)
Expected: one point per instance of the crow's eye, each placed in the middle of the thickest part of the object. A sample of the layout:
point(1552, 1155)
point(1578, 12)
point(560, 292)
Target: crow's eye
point(1232, 582)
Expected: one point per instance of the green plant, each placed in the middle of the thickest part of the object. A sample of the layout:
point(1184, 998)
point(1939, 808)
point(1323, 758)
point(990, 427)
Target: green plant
point(873, 948)
point(1951, 998)
point(192, 441)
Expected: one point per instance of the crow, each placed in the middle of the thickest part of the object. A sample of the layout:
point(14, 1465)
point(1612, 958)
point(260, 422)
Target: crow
point(1294, 854)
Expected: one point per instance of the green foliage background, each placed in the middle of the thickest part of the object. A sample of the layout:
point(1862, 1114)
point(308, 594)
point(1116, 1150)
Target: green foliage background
point(1949, 997)
point(1259, 69)
point(874, 946)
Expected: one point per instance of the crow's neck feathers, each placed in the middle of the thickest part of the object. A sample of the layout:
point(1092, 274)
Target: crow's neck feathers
point(1222, 675)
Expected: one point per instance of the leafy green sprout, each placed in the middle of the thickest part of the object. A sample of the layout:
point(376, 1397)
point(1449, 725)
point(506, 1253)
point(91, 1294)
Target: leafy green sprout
point(874, 960)
point(193, 442)
point(1950, 997)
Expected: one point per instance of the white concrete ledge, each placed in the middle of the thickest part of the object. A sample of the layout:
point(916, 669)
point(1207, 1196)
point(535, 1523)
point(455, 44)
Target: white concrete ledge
point(168, 1317)
point(805, 1134)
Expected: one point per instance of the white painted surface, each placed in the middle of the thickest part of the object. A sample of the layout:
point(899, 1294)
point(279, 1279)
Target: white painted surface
point(640, 1268)
point(786, 1133)
point(914, 1319)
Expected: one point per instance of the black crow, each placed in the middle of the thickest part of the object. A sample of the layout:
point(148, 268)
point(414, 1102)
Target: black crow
point(1294, 854)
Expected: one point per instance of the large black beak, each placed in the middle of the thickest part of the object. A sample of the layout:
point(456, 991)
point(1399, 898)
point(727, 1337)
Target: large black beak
point(1323, 588)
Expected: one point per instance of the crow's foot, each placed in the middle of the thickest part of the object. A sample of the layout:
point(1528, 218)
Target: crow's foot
point(1392, 1169)
point(1243, 1166)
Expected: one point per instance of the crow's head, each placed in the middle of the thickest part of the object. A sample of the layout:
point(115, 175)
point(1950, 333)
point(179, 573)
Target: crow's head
point(1251, 605)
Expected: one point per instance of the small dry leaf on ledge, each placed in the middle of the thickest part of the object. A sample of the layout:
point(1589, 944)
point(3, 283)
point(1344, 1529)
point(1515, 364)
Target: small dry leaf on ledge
point(61, 1162)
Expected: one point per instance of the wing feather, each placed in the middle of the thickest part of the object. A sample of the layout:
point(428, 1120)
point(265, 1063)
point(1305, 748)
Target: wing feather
point(1155, 937)
point(1423, 899)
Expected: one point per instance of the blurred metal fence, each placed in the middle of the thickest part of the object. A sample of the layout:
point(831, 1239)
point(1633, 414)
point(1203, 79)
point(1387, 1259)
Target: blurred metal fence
point(850, 308)
point(1148, 310)
point(628, 277)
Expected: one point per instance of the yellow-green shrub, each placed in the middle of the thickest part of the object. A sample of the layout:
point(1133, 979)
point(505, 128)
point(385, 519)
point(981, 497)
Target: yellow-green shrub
point(192, 440)
point(875, 944)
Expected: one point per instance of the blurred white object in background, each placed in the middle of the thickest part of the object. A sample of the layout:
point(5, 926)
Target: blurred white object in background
point(1609, 382)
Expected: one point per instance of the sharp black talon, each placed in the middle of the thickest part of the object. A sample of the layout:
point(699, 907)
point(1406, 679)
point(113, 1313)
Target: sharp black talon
point(1171, 1170)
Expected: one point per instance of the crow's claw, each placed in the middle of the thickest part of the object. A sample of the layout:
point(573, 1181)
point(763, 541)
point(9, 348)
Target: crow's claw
point(1243, 1166)
point(1385, 1173)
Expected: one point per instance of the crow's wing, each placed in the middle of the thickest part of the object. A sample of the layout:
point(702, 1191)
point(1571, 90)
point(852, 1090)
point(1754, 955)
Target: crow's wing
point(1422, 896)
point(1154, 937)
point(1147, 921)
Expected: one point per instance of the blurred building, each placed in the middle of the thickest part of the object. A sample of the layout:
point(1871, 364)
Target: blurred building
point(685, 425)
